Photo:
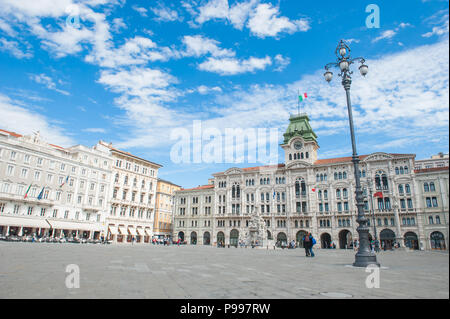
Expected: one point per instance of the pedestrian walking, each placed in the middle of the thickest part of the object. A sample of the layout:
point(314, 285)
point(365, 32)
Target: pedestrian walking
point(307, 243)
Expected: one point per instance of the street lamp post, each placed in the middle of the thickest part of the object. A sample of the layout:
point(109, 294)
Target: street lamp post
point(364, 257)
point(369, 185)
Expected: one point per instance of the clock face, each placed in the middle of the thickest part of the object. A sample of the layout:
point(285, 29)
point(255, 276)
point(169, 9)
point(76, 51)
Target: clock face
point(298, 145)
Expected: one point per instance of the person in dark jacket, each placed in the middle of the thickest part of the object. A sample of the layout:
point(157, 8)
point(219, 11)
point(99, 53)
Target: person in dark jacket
point(307, 243)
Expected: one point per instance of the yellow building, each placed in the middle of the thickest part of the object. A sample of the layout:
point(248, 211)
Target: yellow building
point(165, 191)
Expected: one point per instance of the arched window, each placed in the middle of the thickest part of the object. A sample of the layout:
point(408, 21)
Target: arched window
point(387, 203)
point(268, 180)
point(397, 171)
point(406, 169)
point(301, 156)
point(335, 176)
point(117, 178)
point(297, 188)
point(364, 173)
point(338, 193)
point(238, 191)
point(290, 157)
point(325, 194)
point(295, 156)
point(432, 187)
point(233, 192)
point(319, 194)
point(408, 189)
point(340, 175)
point(426, 188)
point(438, 220)
point(317, 178)
point(401, 170)
point(325, 177)
point(384, 181)
point(321, 177)
point(307, 155)
point(303, 185)
point(344, 192)
point(344, 175)
point(400, 189)
point(377, 182)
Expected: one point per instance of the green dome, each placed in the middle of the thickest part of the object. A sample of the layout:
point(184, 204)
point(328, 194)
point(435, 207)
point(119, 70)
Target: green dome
point(299, 126)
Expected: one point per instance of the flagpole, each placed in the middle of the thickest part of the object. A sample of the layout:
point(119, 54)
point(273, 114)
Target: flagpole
point(298, 102)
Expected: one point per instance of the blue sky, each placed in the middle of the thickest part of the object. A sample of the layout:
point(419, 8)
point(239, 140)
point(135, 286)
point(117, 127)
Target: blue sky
point(133, 72)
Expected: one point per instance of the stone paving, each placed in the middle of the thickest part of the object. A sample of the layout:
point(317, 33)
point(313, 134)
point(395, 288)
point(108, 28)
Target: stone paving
point(38, 270)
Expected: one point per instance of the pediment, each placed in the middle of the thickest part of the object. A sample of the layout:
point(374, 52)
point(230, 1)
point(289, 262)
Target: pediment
point(233, 171)
point(379, 156)
point(298, 164)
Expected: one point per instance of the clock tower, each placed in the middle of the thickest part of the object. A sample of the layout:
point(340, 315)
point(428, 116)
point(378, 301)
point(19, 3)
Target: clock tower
point(300, 141)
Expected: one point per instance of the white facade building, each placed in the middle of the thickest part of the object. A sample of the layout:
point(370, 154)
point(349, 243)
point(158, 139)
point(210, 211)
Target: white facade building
point(307, 194)
point(73, 184)
point(132, 198)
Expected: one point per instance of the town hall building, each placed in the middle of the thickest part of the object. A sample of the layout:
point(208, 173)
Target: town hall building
point(310, 194)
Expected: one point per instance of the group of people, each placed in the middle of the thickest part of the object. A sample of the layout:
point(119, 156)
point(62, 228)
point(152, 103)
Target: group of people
point(164, 241)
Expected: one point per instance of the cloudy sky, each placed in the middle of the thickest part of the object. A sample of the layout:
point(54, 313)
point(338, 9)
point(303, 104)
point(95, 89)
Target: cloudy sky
point(136, 72)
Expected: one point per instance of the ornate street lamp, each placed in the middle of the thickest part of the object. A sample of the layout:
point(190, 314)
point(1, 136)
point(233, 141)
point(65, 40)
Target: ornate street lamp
point(364, 256)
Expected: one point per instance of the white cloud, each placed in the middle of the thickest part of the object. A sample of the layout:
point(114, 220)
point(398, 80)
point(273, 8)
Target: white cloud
point(94, 130)
point(198, 46)
point(47, 81)
point(262, 19)
point(5, 27)
point(118, 24)
point(232, 66)
point(24, 121)
point(138, 82)
point(203, 89)
point(440, 20)
point(214, 9)
point(163, 13)
point(388, 34)
point(281, 62)
point(13, 47)
point(265, 22)
point(135, 51)
point(142, 11)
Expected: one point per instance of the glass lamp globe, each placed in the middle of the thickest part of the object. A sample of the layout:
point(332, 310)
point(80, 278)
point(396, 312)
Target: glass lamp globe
point(328, 76)
point(343, 65)
point(363, 69)
point(342, 51)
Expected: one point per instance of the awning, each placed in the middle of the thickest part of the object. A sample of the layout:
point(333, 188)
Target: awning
point(60, 224)
point(112, 230)
point(132, 231)
point(23, 222)
point(148, 231)
point(140, 231)
point(123, 230)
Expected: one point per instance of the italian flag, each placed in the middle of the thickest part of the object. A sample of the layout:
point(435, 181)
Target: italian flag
point(302, 97)
point(26, 193)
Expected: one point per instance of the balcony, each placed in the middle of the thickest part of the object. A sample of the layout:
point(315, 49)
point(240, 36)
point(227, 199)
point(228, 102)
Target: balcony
point(28, 200)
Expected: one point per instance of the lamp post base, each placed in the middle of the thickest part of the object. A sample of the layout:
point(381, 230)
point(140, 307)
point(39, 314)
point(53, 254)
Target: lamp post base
point(365, 259)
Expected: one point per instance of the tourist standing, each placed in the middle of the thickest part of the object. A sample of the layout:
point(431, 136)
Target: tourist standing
point(306, 244)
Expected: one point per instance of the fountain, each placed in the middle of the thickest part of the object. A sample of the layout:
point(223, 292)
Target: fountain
point(256, 235)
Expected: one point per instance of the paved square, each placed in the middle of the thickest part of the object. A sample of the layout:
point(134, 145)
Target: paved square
point(38, 270)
